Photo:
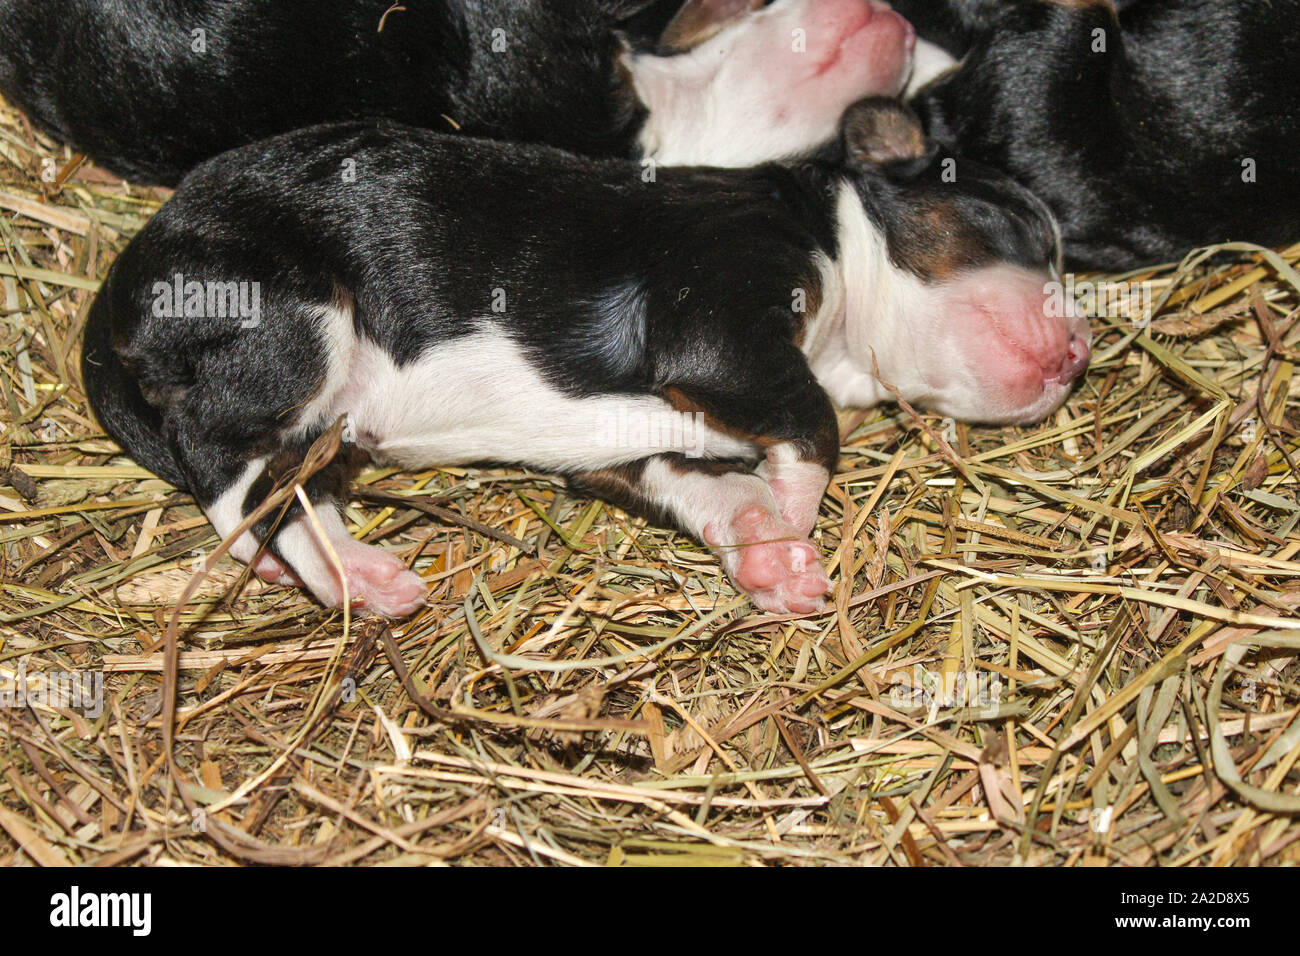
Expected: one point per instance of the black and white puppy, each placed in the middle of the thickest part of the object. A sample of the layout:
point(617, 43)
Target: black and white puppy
point(1149, 126)
point(153, 87)
point(466, 301)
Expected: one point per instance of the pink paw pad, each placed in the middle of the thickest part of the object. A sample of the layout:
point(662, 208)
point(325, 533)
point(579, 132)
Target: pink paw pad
point(379, 582)
point(775, 565)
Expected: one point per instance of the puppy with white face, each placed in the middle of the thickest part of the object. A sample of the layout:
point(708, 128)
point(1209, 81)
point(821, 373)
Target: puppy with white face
point(946, 285)
point(674, 344)
point(746, 89)
point(152, 89)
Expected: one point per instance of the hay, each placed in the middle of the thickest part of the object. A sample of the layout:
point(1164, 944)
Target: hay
point(1073, 644)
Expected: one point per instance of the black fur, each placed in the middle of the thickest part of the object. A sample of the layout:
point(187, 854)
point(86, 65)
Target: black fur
point(122, 79)
point(430, 228)
point(952, 24)
point(1143, 150)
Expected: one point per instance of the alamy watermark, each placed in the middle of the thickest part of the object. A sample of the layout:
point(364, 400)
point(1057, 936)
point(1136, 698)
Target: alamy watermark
point(925, 688)
point(80, 690)
point(77, 909)
point(659, 430)
point(194, 299)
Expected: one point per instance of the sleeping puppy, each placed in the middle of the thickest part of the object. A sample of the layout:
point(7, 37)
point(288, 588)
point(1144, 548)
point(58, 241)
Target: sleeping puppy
point(1150, 127)
point(674, 344)
point(153, 87)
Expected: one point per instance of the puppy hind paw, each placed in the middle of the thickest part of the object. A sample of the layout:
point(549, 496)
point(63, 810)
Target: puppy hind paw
point(802, 585)
point(380, 583)
point(776, 566)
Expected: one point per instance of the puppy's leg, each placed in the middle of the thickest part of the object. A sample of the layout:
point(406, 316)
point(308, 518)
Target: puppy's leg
point(313, 551)
point(245, 420)
point(769, 396)
point(731, 509)
point(757, 521)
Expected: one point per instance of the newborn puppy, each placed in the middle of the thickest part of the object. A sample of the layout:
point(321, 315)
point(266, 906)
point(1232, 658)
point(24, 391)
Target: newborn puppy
point(1150, 126)
point(673, 343)
point(152, 88)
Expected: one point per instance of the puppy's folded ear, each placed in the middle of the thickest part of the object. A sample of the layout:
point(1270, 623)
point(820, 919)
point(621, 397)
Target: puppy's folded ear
point(698, 20)
point(880, 131)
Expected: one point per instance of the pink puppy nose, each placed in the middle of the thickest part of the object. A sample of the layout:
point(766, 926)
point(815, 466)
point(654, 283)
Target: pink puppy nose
point(1075, 361)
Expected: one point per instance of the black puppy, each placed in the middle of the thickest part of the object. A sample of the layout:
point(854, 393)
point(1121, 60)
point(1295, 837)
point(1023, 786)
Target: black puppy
point(1150, 127)
point(465, 301)
point(153, 87)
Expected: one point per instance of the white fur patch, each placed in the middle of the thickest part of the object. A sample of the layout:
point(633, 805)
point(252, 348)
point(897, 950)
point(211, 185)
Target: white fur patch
point(295, 539)
point(227, 512)
point(865, 311)
point(740, 517)
point(479, 398)
point(321, 553)
point(700, 501)
point(783, 485)
point(338, 343)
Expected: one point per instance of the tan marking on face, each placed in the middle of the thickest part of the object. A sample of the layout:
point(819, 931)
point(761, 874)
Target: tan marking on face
point(700, 20)
point(935, 243)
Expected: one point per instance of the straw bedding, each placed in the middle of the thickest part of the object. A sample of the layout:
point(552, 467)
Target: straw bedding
point(1071, 644)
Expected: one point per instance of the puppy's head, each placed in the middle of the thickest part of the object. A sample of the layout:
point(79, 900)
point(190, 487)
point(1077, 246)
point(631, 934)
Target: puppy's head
point(739, 82)
point(951, 276)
